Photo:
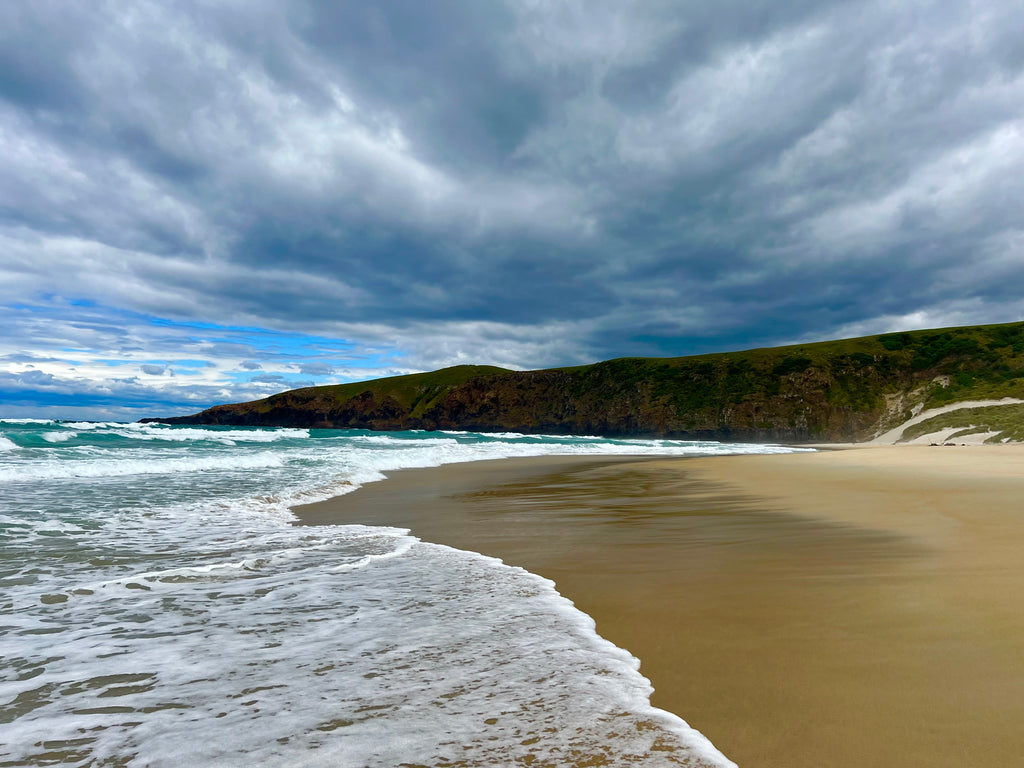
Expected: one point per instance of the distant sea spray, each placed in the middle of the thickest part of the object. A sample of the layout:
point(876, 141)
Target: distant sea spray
point(160, 609)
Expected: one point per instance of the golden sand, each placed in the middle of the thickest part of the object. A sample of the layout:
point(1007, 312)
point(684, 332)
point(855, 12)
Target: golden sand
point(843, 608)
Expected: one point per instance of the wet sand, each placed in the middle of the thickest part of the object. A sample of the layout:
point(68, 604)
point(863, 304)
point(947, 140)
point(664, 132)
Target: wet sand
point(844, 608)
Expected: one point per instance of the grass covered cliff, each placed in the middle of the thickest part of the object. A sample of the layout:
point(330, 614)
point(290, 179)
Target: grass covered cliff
point(835, 390)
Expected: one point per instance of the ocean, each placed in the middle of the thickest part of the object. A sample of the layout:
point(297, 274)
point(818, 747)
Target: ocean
point(160, 609)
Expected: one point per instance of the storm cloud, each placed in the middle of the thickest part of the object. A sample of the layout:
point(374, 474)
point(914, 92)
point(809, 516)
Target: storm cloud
point(521, 184)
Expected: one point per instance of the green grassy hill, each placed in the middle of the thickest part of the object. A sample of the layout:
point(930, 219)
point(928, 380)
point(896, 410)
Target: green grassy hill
point(835, 390)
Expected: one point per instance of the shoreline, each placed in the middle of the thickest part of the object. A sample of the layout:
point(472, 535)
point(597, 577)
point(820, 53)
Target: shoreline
point(841, 608)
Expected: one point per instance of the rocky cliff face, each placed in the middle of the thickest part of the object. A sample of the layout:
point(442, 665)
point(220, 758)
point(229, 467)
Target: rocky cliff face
point(640, 401)
point(831, 391)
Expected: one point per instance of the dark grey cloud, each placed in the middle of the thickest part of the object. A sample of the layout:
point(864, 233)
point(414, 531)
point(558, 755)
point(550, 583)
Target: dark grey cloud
point(281, 381)
point(316, 369)
point(30, 379)
point(514, 183)
point(268, 378)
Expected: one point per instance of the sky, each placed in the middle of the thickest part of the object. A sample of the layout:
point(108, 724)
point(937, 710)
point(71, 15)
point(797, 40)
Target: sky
point(206, 202)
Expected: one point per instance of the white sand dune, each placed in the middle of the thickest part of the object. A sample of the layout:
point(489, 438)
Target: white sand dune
point(894, 435)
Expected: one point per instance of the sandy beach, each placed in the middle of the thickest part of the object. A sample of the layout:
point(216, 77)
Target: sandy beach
point(860, 607)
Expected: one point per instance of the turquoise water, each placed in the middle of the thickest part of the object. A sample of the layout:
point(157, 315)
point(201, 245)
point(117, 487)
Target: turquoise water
point(160, 609)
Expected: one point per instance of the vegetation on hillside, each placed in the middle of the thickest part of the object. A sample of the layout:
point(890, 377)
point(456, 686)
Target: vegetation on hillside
point(415, 392)
point(835, 390)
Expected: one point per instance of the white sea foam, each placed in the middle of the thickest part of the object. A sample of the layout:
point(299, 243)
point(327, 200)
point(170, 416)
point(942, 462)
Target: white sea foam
point(381, 440)
point(183, 434)
point(164, 607)
point(304, 664)
point(42, 525)
point(106, 467)
point(58, 437)
point(6, 444)
point(366, 560)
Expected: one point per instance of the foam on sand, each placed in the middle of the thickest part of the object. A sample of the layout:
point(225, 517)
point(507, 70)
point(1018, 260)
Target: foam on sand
point(297, 660)
point(162, 608)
